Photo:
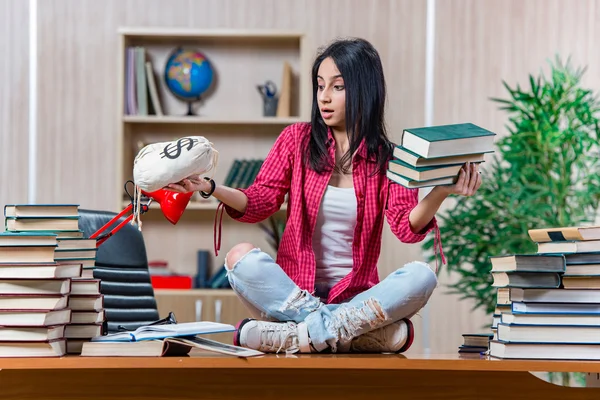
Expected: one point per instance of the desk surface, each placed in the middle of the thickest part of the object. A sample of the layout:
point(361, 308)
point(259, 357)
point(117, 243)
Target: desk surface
point(446, 362)
point(272, 377)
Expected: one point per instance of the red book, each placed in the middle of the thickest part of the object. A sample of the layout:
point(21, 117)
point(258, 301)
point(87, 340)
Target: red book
point(171, 282)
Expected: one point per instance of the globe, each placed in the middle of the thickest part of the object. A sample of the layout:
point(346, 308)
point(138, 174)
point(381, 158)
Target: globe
point(188, 75)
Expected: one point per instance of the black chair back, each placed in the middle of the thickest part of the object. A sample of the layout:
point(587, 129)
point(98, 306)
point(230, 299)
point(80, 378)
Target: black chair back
point(122, 266)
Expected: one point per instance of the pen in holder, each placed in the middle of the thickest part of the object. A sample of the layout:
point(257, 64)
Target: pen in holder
point(268, 92)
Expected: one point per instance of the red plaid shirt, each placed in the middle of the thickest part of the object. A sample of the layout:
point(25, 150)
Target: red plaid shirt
point(284, 171)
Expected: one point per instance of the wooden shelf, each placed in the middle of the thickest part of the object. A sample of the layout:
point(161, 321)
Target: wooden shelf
point(196, 206)
point(135, 119)
point(230, 116)
point(182, 33)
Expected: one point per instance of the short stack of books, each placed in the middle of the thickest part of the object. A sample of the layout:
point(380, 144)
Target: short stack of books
point(65, 271)
point(475, 343)
point(553, 305)
point(433, 156)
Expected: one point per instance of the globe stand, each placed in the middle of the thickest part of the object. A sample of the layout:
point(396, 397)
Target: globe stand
point(190, 103)
point(190, 111)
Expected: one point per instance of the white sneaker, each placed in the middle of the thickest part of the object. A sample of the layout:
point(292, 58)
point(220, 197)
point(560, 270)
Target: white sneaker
point(394, 338)
point(272, 337)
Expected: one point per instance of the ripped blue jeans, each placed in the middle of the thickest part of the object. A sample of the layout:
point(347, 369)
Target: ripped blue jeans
point(270, 294)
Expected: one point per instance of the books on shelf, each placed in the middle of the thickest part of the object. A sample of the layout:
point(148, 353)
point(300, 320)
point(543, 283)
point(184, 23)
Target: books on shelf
point(433, 156)
point(141, 90)
point(553, 310)
point(242, 173)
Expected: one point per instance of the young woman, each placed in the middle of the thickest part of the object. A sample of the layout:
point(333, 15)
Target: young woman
point(323, 293)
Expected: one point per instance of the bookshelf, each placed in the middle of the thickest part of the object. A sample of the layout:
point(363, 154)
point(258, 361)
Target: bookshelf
point(230, 116)
point(170, 119)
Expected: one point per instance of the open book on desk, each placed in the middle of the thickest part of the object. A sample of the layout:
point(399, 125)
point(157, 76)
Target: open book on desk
point(153, 332)
point(168, 347)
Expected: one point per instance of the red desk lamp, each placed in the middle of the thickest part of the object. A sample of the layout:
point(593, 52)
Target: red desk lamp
point(172, 204)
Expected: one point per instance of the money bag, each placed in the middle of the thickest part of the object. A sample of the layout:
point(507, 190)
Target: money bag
point(158, 164)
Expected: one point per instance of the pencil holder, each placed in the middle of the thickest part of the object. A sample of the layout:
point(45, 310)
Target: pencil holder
point(270, 106)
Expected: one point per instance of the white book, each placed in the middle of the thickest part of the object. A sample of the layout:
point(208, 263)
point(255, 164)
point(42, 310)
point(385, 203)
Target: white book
point(541, 351)
point(152, 332)
point(152, 88)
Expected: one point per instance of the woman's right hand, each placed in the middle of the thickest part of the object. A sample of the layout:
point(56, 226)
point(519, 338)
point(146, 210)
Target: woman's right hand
point(190, 184)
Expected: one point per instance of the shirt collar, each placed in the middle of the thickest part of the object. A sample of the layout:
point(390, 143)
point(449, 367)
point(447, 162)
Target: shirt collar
point(362, 147)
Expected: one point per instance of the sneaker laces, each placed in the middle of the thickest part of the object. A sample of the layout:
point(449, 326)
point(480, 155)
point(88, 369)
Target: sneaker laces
point(278, 336)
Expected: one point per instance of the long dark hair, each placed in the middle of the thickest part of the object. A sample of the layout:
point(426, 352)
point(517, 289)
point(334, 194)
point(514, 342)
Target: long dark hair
point(360, 67)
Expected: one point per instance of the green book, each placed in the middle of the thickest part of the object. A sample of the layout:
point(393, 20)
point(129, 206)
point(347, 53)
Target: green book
point(423, 173)
point(256, 165)
point(413, 184)
point(247, 174)
point(232, 172)
point(417, 161)
point(448, 140)
point(237, 180)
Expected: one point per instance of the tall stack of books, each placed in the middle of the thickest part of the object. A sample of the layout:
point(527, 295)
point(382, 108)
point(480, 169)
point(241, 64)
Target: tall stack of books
point(553, 305)
point(45, 254)
point(433, 156)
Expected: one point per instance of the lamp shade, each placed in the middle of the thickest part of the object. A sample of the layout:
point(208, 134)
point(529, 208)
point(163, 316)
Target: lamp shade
point(172, 204)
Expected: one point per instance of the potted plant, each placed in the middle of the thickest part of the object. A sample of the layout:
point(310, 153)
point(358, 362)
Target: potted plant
point(544, 173)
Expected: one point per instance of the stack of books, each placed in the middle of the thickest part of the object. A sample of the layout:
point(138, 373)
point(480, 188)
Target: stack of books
point(433, 156)
point(549, 302)
point(475, 343)
point(43, 287)
point(88, 315)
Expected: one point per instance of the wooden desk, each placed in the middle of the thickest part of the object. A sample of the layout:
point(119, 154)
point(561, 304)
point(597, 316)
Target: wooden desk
point(280, 377)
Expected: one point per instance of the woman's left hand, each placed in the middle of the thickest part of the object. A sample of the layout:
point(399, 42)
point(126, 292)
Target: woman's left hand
point(469, 180)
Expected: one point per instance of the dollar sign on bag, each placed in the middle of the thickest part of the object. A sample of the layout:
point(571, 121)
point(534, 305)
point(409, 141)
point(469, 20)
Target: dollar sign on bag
point(177, 148)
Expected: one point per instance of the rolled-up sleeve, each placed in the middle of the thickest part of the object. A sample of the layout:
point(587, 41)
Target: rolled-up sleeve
point(267, 193)
point(400, 202)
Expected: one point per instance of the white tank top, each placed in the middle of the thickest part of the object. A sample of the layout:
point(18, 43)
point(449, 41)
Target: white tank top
point(333, 235)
